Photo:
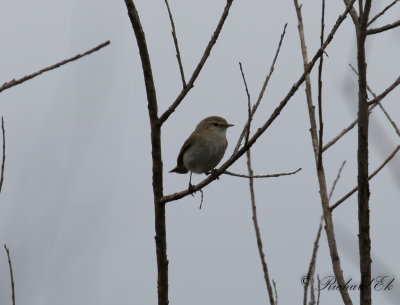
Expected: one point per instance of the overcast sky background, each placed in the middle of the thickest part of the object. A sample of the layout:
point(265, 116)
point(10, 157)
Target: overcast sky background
point(76, 207)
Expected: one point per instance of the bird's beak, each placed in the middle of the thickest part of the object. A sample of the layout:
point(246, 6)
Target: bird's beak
point(229, 125)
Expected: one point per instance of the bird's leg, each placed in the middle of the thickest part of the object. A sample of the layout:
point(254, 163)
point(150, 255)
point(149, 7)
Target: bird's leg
point(190, 188)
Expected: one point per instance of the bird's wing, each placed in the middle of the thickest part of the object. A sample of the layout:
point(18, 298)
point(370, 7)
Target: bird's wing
point(186, 145)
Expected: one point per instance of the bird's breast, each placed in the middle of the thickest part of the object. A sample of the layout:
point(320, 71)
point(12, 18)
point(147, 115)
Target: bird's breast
point(205, 154)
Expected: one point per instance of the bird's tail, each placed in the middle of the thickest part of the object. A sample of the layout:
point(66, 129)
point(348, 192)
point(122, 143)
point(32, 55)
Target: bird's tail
point(179, 170)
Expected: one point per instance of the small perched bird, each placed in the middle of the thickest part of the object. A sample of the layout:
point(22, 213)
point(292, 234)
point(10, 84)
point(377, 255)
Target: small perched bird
point(205, 147)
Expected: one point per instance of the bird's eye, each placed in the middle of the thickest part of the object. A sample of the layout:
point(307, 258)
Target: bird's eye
point(215, 124)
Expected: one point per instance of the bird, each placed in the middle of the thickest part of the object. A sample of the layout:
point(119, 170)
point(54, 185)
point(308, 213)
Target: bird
point(204, 148)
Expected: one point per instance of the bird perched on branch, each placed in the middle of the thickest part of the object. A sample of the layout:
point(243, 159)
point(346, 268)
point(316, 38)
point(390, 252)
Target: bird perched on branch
point(204, 149)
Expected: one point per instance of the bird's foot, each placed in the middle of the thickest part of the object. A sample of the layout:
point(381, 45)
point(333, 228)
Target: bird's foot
point(213, 173)
point(191, 189)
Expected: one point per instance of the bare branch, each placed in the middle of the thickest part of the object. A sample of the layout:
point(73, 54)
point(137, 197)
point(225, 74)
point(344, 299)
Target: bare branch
point(319, 289)
point(11, 275)
point(276, 292)
point(355, 189)
point(311, 268)
point(273, 116)
point(383, 28)
point(200, 65)
point(364, 240)
point(340, 135)
point(262, 176)
point(264, 86)
point(14, 82)
point(252, 197)
point(4, 154)
point(382, 12)
point(178, 53)
point(321, 61)
point(373, 103)
point(257, 230)
point(396, 128)
point(248, 103)
point(157, 179)
point(365, 14)
point(336, 180)
point(386, 92)
point(380, 105)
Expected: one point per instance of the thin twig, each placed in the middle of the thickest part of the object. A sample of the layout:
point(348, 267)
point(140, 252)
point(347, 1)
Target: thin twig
point(248, 103)
point(355, 189)
point(380, 105)
point(257, 230)
point(4, 154)
point(253, 199)
point(276, 292)
point(262, 176)
point(11, 274)
point(319, 289)
point(383, 28)
point(396, 128)
point(14, 82)
point(311, 267)
point(271, 119)
point(373, 103)
point(178, 53)
point(261, 94)
point(386, 92)
point(340, 135)
point(382, 12)
point(200, 65)
point(321, 62)
point(336, 180)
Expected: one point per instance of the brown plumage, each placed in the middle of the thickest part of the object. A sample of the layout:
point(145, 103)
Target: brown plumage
point(204, 148)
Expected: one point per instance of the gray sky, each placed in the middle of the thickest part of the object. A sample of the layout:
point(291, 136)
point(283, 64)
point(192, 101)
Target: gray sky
point(76, 208)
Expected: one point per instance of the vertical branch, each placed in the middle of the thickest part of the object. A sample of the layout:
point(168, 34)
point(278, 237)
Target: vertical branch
point(257, 230)
point(4, 154)
point(11, 274)
point(253, 198)
point(159, 208)
point(321, 62)
point(329, 229)
point(362, 160)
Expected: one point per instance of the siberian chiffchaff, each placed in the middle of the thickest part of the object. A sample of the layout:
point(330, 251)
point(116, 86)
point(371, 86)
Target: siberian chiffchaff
point(205, 147)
